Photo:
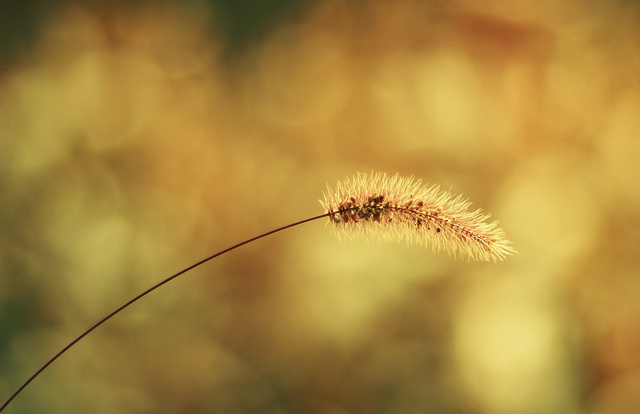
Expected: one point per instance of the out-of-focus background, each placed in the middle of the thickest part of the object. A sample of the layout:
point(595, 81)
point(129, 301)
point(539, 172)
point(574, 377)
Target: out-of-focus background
point(138, 137)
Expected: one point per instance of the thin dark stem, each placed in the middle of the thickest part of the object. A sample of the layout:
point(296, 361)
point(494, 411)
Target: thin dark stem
point(146, 292)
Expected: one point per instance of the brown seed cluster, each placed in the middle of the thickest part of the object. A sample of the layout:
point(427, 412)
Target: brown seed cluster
point(373, 209)
point(393, 207)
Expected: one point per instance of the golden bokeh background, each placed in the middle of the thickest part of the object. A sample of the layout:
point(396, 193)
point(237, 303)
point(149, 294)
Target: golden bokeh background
point(139, 137)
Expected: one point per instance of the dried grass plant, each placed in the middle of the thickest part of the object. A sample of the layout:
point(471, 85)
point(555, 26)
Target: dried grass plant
point(383, 207)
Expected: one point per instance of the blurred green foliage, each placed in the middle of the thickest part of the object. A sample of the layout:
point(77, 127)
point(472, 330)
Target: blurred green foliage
point(241, 22)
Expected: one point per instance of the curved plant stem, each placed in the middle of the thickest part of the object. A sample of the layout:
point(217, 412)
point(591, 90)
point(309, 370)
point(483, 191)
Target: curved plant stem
point(146, 292)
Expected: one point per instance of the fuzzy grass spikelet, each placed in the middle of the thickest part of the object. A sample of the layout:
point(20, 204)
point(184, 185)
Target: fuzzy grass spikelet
point(395, 208)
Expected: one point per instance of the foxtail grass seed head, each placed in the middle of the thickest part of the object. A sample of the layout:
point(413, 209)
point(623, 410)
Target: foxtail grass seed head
point(395, 208)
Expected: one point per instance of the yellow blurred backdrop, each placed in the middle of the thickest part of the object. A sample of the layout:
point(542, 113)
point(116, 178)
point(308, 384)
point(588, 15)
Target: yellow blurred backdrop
point(139, 137)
